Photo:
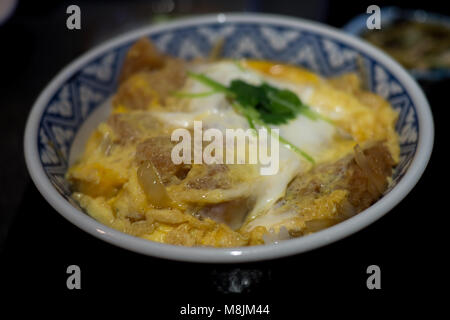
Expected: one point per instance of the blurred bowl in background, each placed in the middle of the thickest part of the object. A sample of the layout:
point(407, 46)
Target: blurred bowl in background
point(417, 39)
point(7, 8)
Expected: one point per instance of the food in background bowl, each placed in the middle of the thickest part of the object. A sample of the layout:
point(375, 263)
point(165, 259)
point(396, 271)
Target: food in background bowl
point(415, 44)
point(417, 39)
point(337, 148)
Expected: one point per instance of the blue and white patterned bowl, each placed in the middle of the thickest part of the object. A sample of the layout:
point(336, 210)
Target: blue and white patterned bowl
point(85, 84)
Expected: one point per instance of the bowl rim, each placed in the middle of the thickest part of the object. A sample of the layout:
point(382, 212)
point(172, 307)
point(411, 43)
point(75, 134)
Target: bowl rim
point(237, 254)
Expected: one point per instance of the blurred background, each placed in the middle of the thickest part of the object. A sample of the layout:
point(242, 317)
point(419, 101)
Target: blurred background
point(35, 45)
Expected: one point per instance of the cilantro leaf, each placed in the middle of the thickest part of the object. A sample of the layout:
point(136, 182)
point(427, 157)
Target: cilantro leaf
point(246, 94)
point(263, 104)
point(275, 106)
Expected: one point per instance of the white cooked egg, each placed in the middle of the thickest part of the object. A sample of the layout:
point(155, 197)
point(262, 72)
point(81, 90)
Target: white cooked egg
point(312, 136)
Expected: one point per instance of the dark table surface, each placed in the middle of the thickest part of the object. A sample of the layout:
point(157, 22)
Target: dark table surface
point(37, 244)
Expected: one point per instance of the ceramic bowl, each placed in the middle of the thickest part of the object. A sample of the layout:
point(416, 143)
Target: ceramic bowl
point(78, 92)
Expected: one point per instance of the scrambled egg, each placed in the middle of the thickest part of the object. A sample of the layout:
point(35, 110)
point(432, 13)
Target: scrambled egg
point(126, 180)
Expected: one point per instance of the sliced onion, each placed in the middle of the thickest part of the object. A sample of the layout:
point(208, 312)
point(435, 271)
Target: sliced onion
point(273, 237)
point(106, 144)
point(376, 182)
point(151, 182)
point(232, 213)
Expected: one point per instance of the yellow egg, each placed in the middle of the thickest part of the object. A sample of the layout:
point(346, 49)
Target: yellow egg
point(106, 177)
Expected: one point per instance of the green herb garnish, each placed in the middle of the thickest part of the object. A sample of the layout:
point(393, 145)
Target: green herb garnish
point(263, 105)
point(211, 83)
point(181, 94)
